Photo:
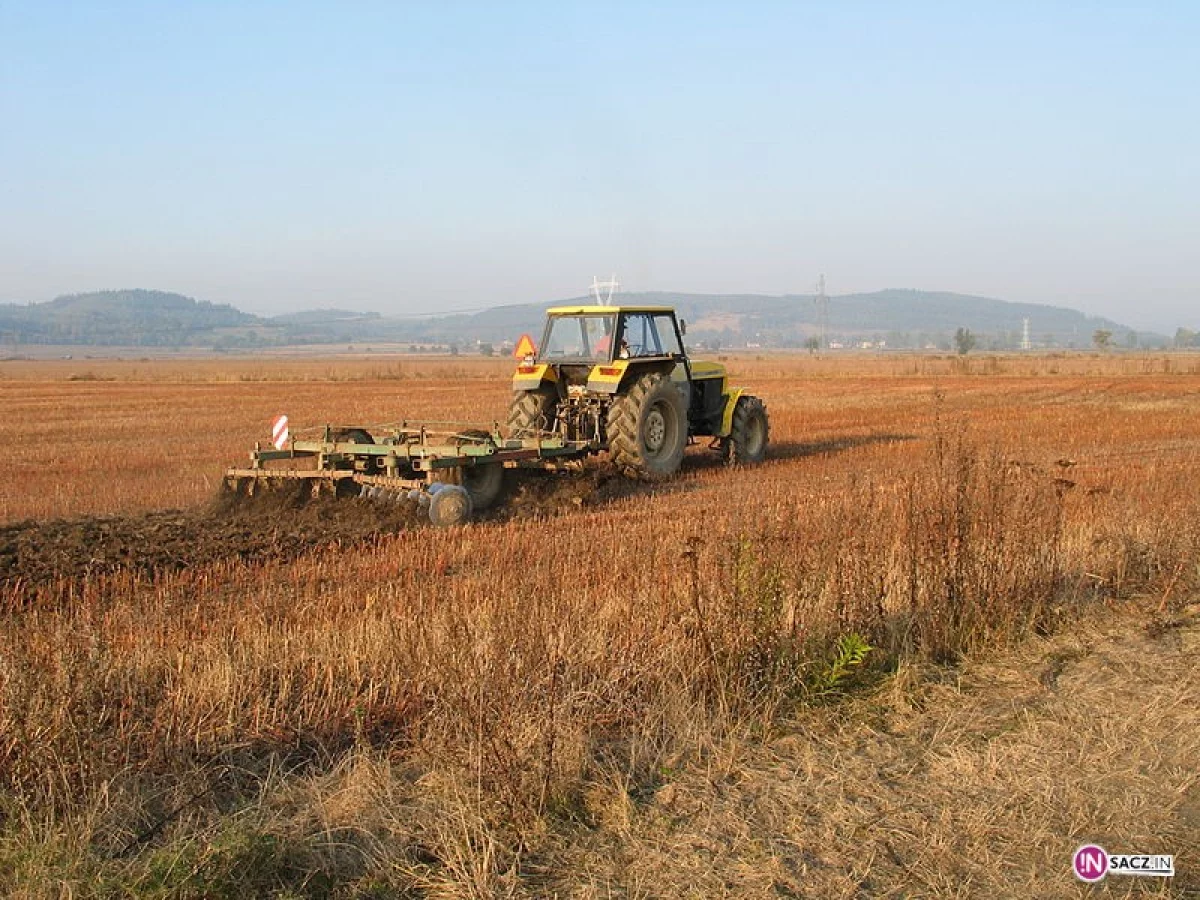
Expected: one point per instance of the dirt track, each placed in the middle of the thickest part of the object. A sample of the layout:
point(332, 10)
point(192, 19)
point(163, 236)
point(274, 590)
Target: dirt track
point(272, 526)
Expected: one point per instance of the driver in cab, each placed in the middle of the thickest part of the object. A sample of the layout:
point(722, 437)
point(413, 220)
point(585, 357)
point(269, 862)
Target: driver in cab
point(605, 342)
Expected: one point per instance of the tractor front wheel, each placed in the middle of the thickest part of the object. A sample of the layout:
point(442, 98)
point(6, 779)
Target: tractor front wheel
point(747, 441)
point(647, 428)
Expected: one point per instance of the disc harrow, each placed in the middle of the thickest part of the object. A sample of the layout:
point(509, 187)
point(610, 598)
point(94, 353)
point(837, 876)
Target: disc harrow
point(449, 472)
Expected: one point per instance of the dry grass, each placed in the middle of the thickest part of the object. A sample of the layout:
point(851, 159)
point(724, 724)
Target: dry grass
point(980, 785)
point(606, 703)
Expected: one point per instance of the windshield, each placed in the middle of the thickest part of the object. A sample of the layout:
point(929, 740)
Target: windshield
point(579, 337)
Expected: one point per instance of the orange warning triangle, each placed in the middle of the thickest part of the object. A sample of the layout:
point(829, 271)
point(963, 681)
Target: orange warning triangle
point(525, 347)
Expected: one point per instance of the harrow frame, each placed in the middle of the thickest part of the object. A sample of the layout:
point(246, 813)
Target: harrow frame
point(414, 461)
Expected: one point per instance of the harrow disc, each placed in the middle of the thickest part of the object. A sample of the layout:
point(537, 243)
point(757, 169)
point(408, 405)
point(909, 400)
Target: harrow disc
point(450, 506)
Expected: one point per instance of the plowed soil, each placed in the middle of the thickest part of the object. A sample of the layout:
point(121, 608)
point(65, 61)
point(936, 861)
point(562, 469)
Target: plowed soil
point(274, 525)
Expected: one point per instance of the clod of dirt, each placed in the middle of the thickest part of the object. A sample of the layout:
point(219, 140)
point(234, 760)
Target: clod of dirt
point(541, 494)
point(282, 522)
point(277, 525)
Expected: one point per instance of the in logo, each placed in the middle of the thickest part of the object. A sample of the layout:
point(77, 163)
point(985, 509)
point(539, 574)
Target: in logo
point(1090, 863)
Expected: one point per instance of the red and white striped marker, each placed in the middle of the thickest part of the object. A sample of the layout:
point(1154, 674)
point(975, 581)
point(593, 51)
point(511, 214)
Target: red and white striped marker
point(279, 432)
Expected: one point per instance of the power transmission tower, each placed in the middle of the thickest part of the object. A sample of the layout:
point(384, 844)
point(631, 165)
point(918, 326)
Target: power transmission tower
point(822, 303)
point(603, 291)
point(1026, 342)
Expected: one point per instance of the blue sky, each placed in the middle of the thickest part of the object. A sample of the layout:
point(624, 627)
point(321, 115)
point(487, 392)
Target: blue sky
point(410, 158)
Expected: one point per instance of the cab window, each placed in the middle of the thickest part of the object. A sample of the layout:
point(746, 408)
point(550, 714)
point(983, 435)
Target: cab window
point(648, 335)
point(578, 337)
point(668, 339)
point(639, 337)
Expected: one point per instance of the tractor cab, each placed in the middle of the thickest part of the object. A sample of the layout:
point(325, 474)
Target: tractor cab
point(592, 345)
point(620, 378)
point(604, 334)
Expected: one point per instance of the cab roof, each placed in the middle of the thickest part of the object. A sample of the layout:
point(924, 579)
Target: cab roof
point(605, 310)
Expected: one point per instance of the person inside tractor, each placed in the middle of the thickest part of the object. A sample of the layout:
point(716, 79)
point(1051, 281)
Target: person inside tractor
point(644, 343)
point(605, 342)
point(639, 337)
point(603, 345)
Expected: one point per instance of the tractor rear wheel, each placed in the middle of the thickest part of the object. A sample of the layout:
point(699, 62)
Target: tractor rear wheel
point(647, 428)
point(532, 411)
point(748, 437)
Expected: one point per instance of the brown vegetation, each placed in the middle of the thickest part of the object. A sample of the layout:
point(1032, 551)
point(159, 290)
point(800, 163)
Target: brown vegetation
point(601, 699)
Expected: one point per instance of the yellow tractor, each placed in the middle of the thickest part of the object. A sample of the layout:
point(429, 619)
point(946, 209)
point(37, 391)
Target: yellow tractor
point(618, 378)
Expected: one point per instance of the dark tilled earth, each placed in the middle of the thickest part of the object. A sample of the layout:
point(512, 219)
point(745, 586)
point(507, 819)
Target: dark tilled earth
point(276, 525)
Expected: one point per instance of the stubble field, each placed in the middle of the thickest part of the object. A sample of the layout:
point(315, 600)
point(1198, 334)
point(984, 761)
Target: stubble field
point(607, 689)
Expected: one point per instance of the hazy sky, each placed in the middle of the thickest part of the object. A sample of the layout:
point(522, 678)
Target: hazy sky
point(421, 157)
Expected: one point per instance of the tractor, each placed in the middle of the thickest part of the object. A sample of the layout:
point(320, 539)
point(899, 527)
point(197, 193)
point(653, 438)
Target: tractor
point(618, 378)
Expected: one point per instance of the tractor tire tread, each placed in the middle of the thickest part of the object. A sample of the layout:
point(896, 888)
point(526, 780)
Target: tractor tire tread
point(531, 411)
point(622, 428)
point(737, 446)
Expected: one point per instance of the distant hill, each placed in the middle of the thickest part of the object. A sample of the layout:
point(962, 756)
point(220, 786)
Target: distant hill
point(900, 318)
point(897, 318)
point(130, 317)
